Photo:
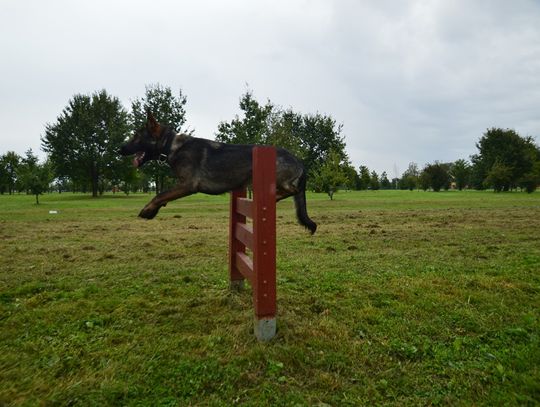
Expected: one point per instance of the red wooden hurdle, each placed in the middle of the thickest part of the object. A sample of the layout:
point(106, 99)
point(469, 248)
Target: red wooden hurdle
point(260, 270)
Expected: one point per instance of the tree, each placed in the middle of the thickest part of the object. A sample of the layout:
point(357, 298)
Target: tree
point(477, 177)
point(513, 154)
point(123, 175)
point(331, 175)
point(83, 143)
point(253, 128)
point(9, 164)
point(531, 180)
point(311, 137)
point(409, 179)
point(385, 182)
point(285, 129)
point(319, 135)
point(35, 177)
point(424, 180)
point(365, 177)
point(499, 176)
point(4, 179)
point(353, 179)
point(461, 172)
point(168, 109)
point(60, 184)
point(437, 175)
point(374, 183)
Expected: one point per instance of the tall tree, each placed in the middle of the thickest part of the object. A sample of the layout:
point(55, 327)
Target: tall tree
point(319, 135)
point(311, 137)
point(285, 130)
point(252, 128)
point(374, 182)
point(9, 163)
point(506, 148)
point(385, 182)
point(353, 179)
point(461, 172)
point(365, 177)
point(168, 109)
point(84, 141)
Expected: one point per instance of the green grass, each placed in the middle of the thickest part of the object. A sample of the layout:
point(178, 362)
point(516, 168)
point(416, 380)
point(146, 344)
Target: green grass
point(400, 298)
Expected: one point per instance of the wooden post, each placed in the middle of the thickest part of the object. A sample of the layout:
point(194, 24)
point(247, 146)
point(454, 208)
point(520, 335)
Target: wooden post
point(264, 241)
point(261, 240)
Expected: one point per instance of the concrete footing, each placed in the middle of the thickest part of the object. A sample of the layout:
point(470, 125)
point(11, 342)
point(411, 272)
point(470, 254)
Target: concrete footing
point(265, 329)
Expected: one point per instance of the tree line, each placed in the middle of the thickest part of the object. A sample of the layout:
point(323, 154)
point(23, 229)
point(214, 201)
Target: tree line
point(505, 161)
point(82, 150)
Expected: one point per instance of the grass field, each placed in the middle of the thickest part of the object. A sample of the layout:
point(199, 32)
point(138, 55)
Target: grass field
point(400, 298)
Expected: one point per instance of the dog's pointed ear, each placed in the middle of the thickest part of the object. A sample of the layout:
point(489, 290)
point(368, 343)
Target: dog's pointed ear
point(152, 125)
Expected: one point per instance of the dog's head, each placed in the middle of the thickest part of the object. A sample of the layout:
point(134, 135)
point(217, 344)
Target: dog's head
point(145, 142)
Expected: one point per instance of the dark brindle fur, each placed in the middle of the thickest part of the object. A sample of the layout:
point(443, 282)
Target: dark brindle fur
point(210, 167)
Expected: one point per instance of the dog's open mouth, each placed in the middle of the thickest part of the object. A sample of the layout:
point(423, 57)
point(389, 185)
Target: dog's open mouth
point(138, 159)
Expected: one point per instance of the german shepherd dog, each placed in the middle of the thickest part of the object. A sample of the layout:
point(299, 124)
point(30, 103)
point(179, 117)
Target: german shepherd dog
point(202, 165)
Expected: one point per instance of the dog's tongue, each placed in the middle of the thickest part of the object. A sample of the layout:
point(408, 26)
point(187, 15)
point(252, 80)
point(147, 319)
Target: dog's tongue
point(137, 160)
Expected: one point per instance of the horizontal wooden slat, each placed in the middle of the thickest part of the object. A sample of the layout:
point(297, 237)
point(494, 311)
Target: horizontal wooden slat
point(244, 265)
point(244, 233)
point(244, 206)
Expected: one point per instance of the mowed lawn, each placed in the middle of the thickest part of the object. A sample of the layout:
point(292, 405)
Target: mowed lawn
point(400, 298)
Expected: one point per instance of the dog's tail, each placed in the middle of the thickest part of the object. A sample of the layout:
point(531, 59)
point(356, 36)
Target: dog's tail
point(300, 203)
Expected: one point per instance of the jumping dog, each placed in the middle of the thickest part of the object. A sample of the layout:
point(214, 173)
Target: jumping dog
point(202, 165)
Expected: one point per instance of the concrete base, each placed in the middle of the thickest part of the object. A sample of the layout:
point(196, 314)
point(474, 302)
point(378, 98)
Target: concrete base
point(237, 285)
point(265, 329)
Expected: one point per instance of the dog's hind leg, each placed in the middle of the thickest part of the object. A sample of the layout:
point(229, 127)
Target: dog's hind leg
point(300, 204)
point(284, 190)
point(282, 194)
point(287, 188)
point(152, 208)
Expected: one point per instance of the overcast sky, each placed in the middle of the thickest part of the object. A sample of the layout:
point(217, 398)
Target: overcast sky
point(409, 80)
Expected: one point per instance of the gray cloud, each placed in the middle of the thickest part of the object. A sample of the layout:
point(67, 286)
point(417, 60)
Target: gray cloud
point(410, 81)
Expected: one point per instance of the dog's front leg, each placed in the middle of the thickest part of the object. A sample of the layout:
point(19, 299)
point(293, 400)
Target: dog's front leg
point(152, 208)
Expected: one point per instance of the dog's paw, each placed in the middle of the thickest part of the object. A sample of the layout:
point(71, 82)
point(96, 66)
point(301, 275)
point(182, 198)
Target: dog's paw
point(148, 212)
